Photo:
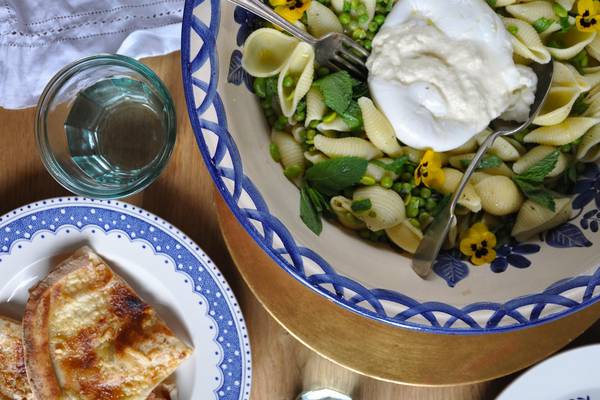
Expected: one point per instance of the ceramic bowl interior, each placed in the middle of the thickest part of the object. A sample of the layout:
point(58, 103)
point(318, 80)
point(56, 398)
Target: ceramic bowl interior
point(527, 284)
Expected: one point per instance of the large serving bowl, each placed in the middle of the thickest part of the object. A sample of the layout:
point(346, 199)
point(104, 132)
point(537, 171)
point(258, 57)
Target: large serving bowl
point(529, 283)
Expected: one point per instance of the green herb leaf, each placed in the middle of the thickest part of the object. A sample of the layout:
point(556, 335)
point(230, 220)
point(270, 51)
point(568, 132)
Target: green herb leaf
point(361, 205)
point(580, 106)
point(542, 24)
point(560, 11)
point(336, 89)
point(490, 161)
point(359, 89)
point(492, 3)
point(309, 215)
point(332, 176)
point(538, 171)
point(352, 116)
point(395, 166)
point(565, 24)
point(319, 202)
point(536, 192)
point(512, 29)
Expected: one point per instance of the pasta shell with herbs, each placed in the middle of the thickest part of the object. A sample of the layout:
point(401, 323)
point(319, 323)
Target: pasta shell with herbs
point(405, 236)
point(572, 42)
point(499, 195)
point(592, 76)
point(337, 125)
point(290, 151)
point(321, 20)
point(378, 129)
point(566, 132)
point(589, 148)
point(266, 52)
point(526, 41)
point(315, 157)
point(387, 207)
point(501, 147)
point(346, 147)
point(315, 106)
point(342, 208)
point(300, 67)
point(557, 106)
point(468, 199)
point(566, 75)
point(537, 154)
point(534, 218)
point(593, 48)
point(534, 11)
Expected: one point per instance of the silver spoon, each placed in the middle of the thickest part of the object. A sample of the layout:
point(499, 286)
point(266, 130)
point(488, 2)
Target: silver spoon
point(427, 252)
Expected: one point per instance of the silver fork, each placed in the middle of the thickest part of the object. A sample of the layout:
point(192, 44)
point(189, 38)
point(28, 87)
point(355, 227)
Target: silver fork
point(335, 51)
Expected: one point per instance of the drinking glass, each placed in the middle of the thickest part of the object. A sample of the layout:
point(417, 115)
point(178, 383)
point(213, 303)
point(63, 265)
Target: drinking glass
point(105, 126)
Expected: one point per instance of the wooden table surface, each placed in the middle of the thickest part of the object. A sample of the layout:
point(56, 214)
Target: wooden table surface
point(183, 195)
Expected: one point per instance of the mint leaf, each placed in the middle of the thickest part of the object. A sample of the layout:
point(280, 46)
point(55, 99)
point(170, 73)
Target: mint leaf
point(352, 116)
point(538, 171)
point(361, 205)
point(542, 24)
point(536, 192)
point(309, 215)
point(332, 176)
point(336, 89)
point(318, 201)
point(491, 161)
point(396, 166)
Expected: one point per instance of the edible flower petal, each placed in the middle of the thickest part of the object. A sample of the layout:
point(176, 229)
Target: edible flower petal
point(291, 10)
point(588, 18)
point(429, 171)
point(478, 244)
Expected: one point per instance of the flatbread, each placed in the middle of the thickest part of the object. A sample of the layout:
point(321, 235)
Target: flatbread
point(13, 378)
point(89, 336)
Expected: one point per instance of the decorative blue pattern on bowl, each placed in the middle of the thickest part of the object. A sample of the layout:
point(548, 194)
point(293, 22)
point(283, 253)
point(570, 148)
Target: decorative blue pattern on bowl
point(73, 214)
point(225, 165)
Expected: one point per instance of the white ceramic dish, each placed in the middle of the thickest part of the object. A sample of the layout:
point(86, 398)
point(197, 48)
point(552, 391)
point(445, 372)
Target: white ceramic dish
point(572, 375)
point(166, 268)
point(529, 283)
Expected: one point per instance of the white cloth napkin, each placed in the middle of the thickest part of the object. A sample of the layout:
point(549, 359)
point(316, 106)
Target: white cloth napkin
point(39, 37)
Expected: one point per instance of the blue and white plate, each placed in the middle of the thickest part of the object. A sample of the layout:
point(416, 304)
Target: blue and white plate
point(528, 284)
point(164, 266)
point(572, 375)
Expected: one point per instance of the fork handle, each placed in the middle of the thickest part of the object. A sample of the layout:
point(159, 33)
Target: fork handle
point(257, 7)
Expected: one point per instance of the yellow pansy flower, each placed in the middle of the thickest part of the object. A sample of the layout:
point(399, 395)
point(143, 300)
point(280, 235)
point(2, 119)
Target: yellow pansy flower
point(291, 10)
point(588, 18)
point(429, 172)
point(478, 244)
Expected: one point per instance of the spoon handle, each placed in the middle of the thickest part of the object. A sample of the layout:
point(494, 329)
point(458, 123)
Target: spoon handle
point(257, 7)
point(424, 257)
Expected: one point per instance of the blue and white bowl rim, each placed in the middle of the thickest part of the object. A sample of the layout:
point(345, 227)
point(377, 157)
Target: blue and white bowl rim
point(208, 32)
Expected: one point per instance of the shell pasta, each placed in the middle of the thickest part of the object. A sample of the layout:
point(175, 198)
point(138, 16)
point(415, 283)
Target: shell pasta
point(340, 145)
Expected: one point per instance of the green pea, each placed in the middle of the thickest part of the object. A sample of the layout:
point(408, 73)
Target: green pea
point(353, 25)
point(363, 19)
point(387, 182)
point(274, 150)
point(293, 171)
point(415, 223)
point(301, 106)
point(430, 204)
point(379, 19)
point(310, 135)
point(359, 34)
point(410, 169)
point(370, 35)
point(281, 122)
point(288, 81)
point(314, 124)
point(397, 187)
point(367, 44)
point(412, 209)
point(345, 18)
point(416, 191)
point(406, 176)
point(380, 8)
point(424, 218)
point(299, 116)
point(425, 193)
point(367, 180)
point(330, 117)
point(260, 87)
point(566, 148)
point(373, 26)
point(361, 9)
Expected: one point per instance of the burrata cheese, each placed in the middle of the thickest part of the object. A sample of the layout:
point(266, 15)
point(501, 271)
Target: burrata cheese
point(441, 70)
